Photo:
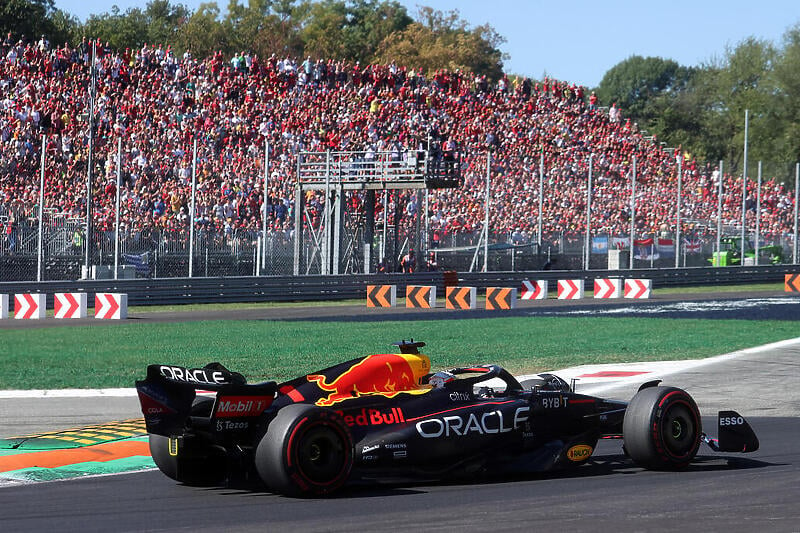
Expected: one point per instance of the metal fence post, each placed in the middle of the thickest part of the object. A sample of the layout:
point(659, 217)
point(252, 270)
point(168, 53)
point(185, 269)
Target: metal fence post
point(796, 190)
point(265, 211)
point(758, 215)
point(116, 208)
point(486, 216)
point(39, 245)
point(719, 209)
point(633, 212)
point(744, 185)
point(191, 209)
point(588, 241)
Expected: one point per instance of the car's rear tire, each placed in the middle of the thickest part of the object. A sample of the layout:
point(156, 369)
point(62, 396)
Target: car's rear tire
point(191, 463)
point(307, 451)
point(662, 428)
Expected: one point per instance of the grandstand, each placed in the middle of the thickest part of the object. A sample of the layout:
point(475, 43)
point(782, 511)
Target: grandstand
point(158, 103)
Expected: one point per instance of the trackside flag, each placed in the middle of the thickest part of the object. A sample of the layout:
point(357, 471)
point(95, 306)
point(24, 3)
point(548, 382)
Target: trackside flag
point(599, 245)
point(665, 248)
point(644, 249)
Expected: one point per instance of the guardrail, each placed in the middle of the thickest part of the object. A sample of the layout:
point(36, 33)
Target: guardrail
point(177, 291)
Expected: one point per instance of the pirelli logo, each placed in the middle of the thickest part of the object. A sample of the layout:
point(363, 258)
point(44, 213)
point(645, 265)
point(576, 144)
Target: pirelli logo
point(422, 296)
point(460, 297)
point(792, 283)
point(501, 298)
point(381, 295)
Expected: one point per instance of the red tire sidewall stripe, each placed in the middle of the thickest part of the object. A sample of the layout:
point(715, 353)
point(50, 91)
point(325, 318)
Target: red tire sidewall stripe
point(658, 436)
point(291, 451)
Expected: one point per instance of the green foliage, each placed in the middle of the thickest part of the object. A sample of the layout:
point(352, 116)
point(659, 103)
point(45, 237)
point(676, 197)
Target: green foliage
point(703, 109)
point(350, 30)
point(156, 23)
point(33, 18)
point(443, 40)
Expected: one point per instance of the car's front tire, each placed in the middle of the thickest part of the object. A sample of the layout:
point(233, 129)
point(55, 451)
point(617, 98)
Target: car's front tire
point(662, 428)
point(307, 451)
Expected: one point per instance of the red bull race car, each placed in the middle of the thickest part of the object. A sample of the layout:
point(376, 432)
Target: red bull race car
point(387, 417)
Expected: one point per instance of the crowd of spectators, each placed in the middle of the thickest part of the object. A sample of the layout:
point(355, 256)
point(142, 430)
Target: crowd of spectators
point(158, 103)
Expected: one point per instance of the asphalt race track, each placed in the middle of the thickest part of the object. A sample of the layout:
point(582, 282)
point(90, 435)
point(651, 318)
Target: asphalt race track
point(720, 492)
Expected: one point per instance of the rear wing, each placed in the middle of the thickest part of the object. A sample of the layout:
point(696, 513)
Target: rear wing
point(167, 393)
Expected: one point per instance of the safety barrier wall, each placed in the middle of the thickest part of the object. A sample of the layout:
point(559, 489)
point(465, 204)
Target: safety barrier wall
point(172, 291)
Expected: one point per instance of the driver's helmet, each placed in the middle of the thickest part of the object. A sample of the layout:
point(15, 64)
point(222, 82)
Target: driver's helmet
point(439, 379)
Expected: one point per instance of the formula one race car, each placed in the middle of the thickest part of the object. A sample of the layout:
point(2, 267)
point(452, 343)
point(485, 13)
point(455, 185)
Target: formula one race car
point(386, 417)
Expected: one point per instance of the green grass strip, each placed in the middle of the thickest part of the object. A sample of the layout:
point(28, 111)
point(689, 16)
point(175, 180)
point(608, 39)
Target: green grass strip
point(115, 356)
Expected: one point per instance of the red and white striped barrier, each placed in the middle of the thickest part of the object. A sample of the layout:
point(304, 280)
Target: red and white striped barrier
point(30, 306)
point(112, 306)
point(570, 289)
point(70, 305)
point(534, 290)
point(638, 288)
point(3, 306)
point(608, 288)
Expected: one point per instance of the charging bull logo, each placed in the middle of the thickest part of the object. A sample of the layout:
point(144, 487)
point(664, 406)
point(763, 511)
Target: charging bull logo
point(382, 374)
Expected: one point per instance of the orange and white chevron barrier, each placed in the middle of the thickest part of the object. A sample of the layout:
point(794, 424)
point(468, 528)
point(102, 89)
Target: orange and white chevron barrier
point(607, 288)
point(501, 298)
point(638, 288)
point(422, 296)
point(461, 297)
point(534, 290)
point(792, 283)
point(570, 289)
point(30, 306)
point(113, 306)
point(381, 295)
point(70, 305)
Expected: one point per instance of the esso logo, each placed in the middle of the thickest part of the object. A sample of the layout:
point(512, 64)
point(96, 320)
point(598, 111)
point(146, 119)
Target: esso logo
point(731, 421)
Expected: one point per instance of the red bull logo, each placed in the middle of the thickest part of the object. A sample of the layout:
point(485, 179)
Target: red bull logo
point(382, 374)
point(374, 417)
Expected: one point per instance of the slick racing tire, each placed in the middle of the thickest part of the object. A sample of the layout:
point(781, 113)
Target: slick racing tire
point(662, 428)
point(189, 464)
point(307, 452)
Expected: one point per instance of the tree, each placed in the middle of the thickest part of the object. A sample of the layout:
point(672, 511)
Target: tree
point(637, 82)
point(203, 33)
point(263, 26)
point(32, 18)
point(443, 40)
point(787, 79)
point(350, 30)
point(157, 23)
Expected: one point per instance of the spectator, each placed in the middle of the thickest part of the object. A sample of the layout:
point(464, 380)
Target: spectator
point(409, 262)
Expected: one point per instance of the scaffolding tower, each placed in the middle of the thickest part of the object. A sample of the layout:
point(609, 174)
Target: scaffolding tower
point(368, 171)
